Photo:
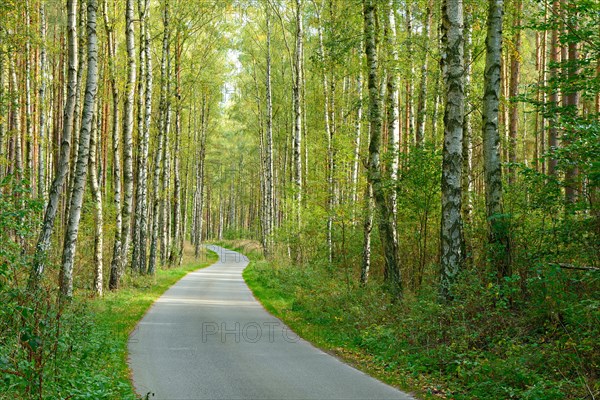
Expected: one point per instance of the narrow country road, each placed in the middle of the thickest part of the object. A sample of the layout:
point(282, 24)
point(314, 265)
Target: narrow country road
point(208, 338)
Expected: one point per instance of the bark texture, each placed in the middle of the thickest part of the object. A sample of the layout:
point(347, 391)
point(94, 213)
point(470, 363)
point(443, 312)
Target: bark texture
point(81, 168)
point(43, 242)
point(386, 221)
point(497, 223)
point(451, 235)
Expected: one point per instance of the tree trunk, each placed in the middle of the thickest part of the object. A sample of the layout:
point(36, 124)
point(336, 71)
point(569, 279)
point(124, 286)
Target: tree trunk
point(329, 135)
point(357, 136)
point(29, 141)
point(175, 248)
point(409, 137)
point(515, 73)
point(467, 147)
point(200, 187)
point(144, 119)
point(572, 172)
point(97, 200)
point(451, 235)
point(42, 190)
point(43, 242)
point(386, 221)
point(3, 107)
point(128, 137)
point(367, 228)
point(393, 126)
point(15, 122)
point(166, 158)
point(159, 150)
point(497, 222)
point(553, 130)
point(422, 103)
point(77, 111)
point(116, 140)
point(298, 113)
point(66, 278)
point(269, 181)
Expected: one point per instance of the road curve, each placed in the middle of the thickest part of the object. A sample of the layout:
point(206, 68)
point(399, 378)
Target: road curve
point(208, 338)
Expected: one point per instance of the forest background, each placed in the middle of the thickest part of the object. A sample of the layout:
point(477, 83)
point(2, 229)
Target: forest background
point(420, 177)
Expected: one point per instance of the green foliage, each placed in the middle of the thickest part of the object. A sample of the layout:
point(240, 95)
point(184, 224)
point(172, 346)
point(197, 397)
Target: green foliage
point(64, 349)
point(491, 343)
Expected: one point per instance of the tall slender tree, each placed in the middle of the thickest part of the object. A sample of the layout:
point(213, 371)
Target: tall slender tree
point(43, 81)
point(81, 168)
point(115, 267)
point(451, 235)
point(498, 229)
point(43, 242)
point(128, 109)
point(97, 200)
point(387, 229)
point(156, 195)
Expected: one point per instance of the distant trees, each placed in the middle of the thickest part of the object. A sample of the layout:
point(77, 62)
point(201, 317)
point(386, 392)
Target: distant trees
point(304, 125)
point(50, 132)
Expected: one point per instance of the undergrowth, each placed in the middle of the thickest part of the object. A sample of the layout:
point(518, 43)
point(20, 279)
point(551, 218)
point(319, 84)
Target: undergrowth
point(488, 343)
point(77, 350)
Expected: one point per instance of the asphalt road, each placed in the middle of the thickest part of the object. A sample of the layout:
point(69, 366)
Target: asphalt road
point(207, 337)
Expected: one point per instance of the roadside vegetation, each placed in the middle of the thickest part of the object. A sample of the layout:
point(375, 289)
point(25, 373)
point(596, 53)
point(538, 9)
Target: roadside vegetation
point(75, 349)
point(493, 342)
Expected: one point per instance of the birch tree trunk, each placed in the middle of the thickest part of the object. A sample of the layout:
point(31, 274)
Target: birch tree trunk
point(66, 275)
point(166, 158)
point(15, 122)
point(409, 137)
point(422, 102)
point(156, 196)
point(515, 74)
point(553, 130)
point(298, 112)
point(497, 223)
point(393, 125)
point(97, 200)
point(42, 189)
point(357, 136)
point(451, 235)
point(77, 110)
point(467, 146)
point(329, 135)
point(386, 220)
point(116, 140)
point(139, 258)
point(28, 106)
point(269, 181)
point(128, 136)
point(367, 228)
point(43, 242)
point(200, 177)
point(175, 247)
